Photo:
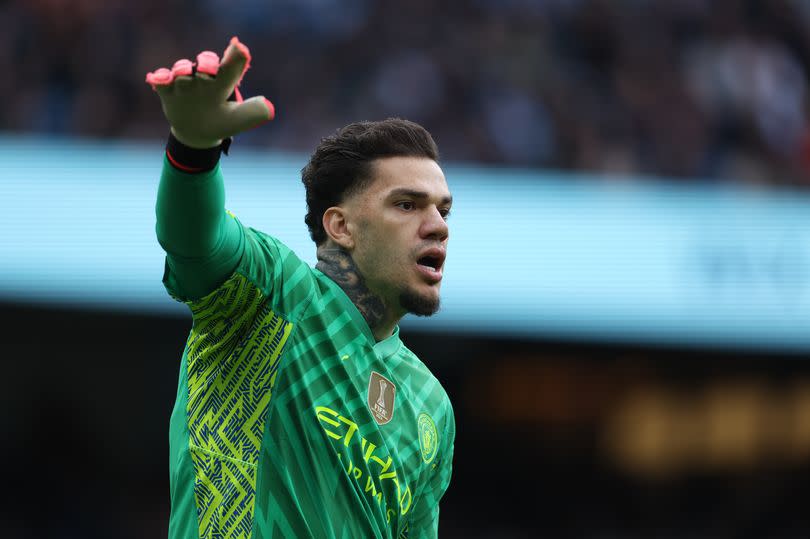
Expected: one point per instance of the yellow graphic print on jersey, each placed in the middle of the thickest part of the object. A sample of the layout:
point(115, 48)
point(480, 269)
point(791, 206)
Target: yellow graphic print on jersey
point(230, 381)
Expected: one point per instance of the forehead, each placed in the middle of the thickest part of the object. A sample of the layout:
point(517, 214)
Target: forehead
point(407, 173)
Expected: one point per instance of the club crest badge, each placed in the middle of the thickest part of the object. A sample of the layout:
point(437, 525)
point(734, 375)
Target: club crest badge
point(428, 437)
point(381, 393)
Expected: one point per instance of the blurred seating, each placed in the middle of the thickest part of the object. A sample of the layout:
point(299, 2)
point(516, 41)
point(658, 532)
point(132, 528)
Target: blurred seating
point(691, 89)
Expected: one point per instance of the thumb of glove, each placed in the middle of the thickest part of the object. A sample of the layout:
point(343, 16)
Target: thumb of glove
point(247, 114)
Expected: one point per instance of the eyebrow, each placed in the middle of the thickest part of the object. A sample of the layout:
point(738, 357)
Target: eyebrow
point(404, 191)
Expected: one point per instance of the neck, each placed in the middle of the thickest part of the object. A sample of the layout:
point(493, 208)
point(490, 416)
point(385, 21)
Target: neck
point(338, 265)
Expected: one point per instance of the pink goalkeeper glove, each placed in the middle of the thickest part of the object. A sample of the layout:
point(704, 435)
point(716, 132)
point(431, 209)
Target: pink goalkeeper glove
point(195, 102)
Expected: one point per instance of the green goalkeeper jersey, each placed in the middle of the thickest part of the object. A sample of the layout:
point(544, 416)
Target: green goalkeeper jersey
point(290, 420)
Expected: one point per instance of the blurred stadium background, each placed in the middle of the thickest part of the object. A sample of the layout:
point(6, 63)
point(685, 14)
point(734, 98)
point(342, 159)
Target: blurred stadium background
point(626, 330)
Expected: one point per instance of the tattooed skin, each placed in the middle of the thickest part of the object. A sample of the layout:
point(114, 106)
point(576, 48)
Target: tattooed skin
point(339, 266)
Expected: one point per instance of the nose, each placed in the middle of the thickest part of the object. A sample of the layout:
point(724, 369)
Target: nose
point(434, 226)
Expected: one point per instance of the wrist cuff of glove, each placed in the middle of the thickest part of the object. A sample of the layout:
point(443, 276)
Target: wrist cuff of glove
point(194, 160)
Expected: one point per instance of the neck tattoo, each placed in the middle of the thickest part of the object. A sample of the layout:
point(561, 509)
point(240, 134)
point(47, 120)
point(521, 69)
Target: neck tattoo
point(336, 264)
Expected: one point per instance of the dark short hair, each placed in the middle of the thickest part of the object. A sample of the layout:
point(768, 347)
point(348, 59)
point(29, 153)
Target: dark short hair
point(341, 164)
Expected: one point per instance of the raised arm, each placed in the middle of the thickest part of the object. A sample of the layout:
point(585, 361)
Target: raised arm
point(203, 244)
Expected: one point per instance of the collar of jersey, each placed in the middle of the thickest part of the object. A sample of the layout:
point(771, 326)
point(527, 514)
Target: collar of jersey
point(388, 346)
point(383, 349)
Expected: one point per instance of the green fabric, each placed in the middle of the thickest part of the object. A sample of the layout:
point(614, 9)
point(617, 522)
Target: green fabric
point(273, 432)
point(183, 521)
point(203, 243)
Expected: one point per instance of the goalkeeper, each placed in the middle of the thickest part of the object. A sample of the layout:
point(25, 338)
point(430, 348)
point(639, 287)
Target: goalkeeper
point(299, 411)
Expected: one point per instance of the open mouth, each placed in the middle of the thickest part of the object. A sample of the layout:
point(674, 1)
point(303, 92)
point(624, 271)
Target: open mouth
point(431, 263)
point(434, 263)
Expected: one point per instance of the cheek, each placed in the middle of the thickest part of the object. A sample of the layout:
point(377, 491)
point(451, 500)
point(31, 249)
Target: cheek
point(372, 256)
point(384, 241)
point(384, 257)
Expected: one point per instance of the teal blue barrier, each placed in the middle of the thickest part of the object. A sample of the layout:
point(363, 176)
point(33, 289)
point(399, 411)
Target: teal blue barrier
point(532, 253)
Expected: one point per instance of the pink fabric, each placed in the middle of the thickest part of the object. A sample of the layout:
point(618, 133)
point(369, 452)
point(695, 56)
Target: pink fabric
point(160, 77)
point(208, 62)
point(271, 109)
point(179, 166)
point(182, 68)
point(245, 52)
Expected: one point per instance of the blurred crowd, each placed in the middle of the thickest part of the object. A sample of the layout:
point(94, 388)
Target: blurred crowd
point(692, 89)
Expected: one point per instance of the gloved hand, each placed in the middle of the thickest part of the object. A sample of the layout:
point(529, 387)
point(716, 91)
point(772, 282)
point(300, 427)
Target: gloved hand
point(195, 101)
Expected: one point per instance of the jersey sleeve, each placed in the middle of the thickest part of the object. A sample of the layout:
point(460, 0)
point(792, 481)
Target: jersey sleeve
point(278, 272)
point(203, 242)
point(208, 249)
point(424, 523)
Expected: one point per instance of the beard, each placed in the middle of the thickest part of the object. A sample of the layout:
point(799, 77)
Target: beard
point(418, 304)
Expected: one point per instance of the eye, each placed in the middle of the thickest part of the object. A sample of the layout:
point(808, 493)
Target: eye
point(445, 213)
point(406, 205)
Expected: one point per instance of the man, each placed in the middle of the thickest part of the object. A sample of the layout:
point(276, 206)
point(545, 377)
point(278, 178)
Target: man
point(299, 411)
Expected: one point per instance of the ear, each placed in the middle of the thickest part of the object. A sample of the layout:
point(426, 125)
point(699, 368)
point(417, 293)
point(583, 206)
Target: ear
point(337, 227)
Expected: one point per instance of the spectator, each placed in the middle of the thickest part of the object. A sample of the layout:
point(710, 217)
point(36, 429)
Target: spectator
point(691, 89)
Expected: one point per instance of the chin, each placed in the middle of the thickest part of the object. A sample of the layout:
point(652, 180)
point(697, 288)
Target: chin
point(420, 304)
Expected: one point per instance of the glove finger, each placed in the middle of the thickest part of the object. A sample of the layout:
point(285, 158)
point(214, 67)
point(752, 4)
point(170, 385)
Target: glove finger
point(182, 85)
point(235, 62)
point(208, 63)
point(248, 114)
point(182, 68)
point(183, 72)
point(160, 78)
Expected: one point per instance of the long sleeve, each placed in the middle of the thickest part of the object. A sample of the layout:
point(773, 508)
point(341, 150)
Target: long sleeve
point(203, 243)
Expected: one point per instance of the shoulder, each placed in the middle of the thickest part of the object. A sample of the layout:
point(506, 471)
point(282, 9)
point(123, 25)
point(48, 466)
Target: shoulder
point(278, 271)
point(262, 248)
